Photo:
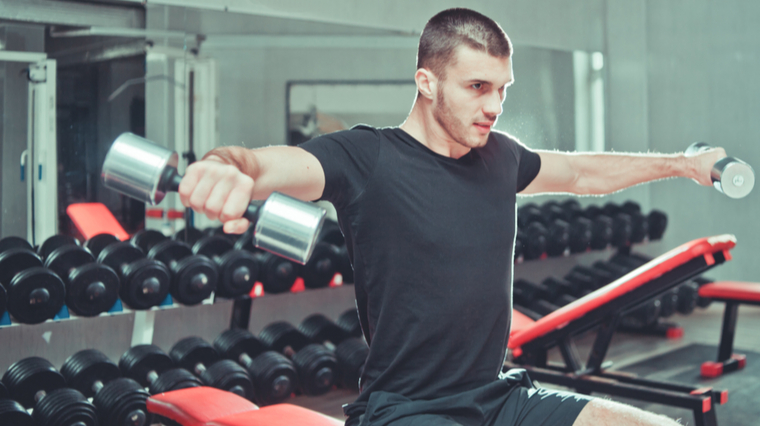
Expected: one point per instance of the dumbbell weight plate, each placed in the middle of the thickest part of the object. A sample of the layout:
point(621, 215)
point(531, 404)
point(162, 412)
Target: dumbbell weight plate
point(3, 391)
point(82, 369)
point(13, 414)
point(15, 260)
point(35, 295)
point(274, 378)
point(319, 271)
point(14, 242)
point(139, 360)
point(351, 355)
point(238, 269)
point(228, 375)
point(174, 379)
point(233, 343)
point(317, 369)
point(30, 375)
point(212, 246)
point(3, 306)
point(658, 222)
point(97, 243)
point(146, 239)
point(276, 274)
point(122, 402)
point(245, 241)
point(65, 407)
point(119, 254)
point(349, 322)
point(194, 279)
point(639, 227)
point(66, 258)
point(54, 242)
point(190, 351)
point(193, 236)
point(145, 283)
point(280, 335)
point(92, 289)
point(579, 235)
point(319, 329)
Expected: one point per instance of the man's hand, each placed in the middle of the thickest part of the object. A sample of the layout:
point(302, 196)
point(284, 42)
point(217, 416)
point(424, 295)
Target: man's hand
point(219, 191)
point(702, 162)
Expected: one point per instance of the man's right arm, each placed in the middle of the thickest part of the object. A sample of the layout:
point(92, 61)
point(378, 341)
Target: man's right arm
point(222, 184)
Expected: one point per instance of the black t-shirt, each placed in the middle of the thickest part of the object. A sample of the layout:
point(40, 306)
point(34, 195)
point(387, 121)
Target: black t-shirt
point(431, 240)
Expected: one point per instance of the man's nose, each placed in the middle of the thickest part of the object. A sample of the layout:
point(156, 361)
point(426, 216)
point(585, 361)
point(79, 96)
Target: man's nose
point(493, 107)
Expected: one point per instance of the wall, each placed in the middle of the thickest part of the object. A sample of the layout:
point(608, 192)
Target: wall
point(703, 61)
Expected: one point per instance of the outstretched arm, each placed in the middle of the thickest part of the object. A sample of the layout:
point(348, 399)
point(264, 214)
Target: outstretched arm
point(604, 173)
point(222, 184)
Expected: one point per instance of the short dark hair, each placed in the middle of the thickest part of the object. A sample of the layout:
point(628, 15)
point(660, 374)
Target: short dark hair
point(452, 28)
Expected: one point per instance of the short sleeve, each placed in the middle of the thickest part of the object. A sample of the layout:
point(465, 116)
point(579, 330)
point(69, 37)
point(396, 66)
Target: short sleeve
point(529, 163)
point(348, 159)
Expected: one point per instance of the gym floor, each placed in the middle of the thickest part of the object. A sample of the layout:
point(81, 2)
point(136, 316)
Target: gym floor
point(700, 327)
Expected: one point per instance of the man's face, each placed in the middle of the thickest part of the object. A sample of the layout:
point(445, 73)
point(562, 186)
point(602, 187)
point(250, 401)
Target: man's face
point(468, 101)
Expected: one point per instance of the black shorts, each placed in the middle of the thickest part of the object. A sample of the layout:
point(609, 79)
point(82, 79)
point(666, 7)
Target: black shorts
point(509, 401)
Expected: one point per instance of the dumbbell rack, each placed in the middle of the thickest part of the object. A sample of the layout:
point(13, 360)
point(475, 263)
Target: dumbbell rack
point(116, 331)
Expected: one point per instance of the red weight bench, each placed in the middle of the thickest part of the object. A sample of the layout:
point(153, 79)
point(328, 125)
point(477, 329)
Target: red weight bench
point(206, 406)
point(92, 219)
point(602, 310)
point(733, 294)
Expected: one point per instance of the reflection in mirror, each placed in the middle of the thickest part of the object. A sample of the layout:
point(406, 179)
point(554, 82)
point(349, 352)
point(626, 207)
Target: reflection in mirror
point(556, 102)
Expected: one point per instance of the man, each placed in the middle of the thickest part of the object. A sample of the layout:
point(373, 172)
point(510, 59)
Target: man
point(428, 212)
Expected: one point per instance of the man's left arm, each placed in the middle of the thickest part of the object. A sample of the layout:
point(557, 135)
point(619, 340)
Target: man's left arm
point(604, 173)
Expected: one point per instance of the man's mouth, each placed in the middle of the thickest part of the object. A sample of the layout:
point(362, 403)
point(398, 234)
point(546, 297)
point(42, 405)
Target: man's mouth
point(483, 127)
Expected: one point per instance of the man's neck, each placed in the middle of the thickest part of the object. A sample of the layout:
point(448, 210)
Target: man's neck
point(423, 127)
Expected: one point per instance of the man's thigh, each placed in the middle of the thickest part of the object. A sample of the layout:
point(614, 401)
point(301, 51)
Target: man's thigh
point(603, 412)
point(425, 420)
point(540, 407)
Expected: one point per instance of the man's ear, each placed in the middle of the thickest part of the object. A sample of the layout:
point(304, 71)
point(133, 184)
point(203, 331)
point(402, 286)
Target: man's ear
point(426, 82)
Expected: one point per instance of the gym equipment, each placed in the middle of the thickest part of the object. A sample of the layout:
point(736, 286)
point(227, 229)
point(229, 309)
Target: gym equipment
point(11, 242)
point(530, 342)
point(227, 409)
point(98, 242)
point(351, 354)
point(34, 383)
point(144, 282)
point(535, 241)
point(193, 277)
point(143, 170)
point(91, 288)
point(54, 242)
point(146, 239)
point(238, 269)
point(349, 322)
point(13, 414)
point(190, 236)
point(315, 364)
point(119, 401)
point(319, 271)
point(151, 367)
point(729, 175)
point(733, 294)
point(321, 330)
point(3, 303)
point(580, 235)
point(197, 356)
point(34, 293)
point(658, 222)
point(531, 296)
point(557, 237)
point(277, 274)
point(601, 231)
point(274, 375)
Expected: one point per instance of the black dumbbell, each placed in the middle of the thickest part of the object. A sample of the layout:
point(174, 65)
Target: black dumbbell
point(351, 354)
point(557, 237)
point(316, 365)
point(590, 278)
point(344, 268)
point(119, 401)
point(573, 207)
point(276, 274)
point(13, 414)
point(11, 242)
point(91, 288)
point(528, 214)
point(580, 235)
point(700, 281)
point(238, 269)
point(35, 383)
point(54, 242)
point(319, 271)
point(151, 367)
point(535, 241)
point(528, 295)
point(146, 239)
point(3, 300)
point(194, 277)
point(349, 322)
point(199, 357)
point(319, 329)
point(219, 232)
point(97, 243)
point(552, 210)
point(190, 237)
point(658, 222)
point(601, 231)
point(144, 282)
point(34, 293)
point(274, 376)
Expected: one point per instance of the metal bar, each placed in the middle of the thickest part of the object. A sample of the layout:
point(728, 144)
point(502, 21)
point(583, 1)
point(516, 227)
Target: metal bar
point(728, 330)
point(569, 355)
point(241, 313)
point(602, 344)
point(76, 14)
point(121, 32)
point(11, 56)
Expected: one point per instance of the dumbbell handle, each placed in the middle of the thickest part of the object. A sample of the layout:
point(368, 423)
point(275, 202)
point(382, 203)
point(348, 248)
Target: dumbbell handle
point(729, 175)
point(170, 183)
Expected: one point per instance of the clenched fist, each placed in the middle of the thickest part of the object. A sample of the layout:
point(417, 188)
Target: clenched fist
point(702, 162)
point(219, 191)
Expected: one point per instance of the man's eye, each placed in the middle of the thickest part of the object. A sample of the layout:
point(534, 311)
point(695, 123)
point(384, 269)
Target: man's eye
point(477, 86)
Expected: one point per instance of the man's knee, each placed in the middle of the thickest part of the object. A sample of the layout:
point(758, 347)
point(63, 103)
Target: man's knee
point(603, 412)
